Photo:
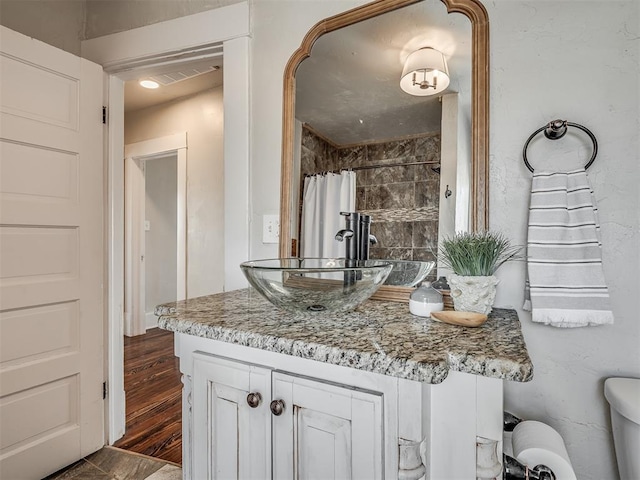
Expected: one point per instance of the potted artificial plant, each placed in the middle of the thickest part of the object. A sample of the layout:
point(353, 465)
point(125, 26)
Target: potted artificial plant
point(474, 258)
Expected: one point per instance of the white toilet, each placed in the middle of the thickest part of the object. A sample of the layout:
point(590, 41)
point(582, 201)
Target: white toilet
point(623, 395)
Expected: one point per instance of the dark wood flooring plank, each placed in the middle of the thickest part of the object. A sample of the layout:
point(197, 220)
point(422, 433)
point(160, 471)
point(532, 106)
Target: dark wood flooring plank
point(154, 396)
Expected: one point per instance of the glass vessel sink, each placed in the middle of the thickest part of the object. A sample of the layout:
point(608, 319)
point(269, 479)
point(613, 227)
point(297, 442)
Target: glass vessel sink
point(408, 273)
point(316, 284)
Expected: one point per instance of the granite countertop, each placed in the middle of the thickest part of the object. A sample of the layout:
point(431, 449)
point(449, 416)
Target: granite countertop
point(380, 337)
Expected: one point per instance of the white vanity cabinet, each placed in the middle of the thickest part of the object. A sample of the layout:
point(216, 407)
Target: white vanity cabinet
point(250, 419)
point(230, 434)
point(372, 393)
point(325, 431)
point(336, 421)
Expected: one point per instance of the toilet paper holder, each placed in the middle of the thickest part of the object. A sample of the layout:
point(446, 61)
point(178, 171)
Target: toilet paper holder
point(512, 468)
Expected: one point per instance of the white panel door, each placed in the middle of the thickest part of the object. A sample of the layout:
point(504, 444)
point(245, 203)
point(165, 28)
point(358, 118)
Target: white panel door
point(51, 256)
point(234, 441)
point(326, 431)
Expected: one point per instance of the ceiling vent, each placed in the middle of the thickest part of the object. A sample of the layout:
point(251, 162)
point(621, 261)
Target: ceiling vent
point(184, 74)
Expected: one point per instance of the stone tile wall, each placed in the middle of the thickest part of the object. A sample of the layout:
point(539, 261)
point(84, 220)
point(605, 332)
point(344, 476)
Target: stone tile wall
point(403, 201)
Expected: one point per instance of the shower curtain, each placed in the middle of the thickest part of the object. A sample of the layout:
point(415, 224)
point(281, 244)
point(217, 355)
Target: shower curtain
point(324, 197)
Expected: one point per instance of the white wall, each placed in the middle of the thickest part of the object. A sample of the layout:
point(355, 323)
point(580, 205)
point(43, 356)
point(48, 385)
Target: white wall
point(104, 17)
point(59, 23)
point(161, 211)
point(201, 116)
point(271, 50)
point(64, 23)
point(576, 60)
point(542, 68)
point(449, 168)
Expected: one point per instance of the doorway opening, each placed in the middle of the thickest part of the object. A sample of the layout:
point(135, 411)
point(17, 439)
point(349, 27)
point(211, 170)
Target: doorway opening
point(161, 237)
point(122, 55)
point(155, 228)
point(155, 272)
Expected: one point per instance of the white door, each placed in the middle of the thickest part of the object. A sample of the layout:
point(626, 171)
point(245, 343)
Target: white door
point(326, 431)
point(233, 440)
point(51, 251)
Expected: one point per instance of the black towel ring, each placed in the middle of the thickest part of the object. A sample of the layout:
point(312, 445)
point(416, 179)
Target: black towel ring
point(555, 130)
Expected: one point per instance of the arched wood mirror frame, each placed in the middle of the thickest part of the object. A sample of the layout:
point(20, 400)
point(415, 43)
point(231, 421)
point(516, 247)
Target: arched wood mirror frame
point(477, 14)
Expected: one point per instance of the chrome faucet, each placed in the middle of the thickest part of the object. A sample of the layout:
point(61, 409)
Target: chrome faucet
point(350, 235)
point(366, 239)
point(356, 235)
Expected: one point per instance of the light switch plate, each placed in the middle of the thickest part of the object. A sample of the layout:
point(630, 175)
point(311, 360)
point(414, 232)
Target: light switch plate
point(270, 228)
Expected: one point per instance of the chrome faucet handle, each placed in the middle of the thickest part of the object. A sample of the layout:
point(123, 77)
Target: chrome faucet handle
point(344, 233)
point(351, 234)
point(351, 216)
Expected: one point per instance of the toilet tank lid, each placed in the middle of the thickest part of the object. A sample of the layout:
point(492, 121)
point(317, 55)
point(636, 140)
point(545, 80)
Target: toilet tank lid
point(623, 394)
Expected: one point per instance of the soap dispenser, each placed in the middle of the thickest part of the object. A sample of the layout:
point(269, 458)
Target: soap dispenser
point(424, 300)
point(441, 284)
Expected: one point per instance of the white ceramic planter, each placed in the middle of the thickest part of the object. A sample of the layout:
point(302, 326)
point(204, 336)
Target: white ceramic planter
point(473, 294)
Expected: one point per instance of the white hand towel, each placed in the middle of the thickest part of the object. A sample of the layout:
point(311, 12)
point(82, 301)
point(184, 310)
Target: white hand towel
point(566, 285)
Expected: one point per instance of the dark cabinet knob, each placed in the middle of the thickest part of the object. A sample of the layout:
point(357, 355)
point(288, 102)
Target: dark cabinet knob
point(277, 407)
point(254, 399)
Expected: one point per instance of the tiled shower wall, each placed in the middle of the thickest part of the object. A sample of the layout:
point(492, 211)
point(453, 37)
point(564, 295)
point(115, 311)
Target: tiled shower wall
point(403, 201)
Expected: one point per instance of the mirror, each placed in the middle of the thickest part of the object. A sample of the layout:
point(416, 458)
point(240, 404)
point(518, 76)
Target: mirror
point(426, 24)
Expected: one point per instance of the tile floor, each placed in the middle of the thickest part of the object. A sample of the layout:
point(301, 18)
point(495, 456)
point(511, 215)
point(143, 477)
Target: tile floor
point(110, 463)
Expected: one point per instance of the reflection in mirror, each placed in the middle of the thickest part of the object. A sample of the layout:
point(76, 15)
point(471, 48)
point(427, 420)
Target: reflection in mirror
point(419, 161)
point(354, 116)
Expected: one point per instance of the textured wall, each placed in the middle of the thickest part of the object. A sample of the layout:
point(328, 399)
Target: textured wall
point(65, 23)
point(110, 16)
point(201, 117)
point(270, 51)
point(59, 23)
point(542, 68)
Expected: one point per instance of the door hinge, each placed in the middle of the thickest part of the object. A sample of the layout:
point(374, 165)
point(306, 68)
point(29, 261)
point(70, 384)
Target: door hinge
point(104, 390)
point(104, 115)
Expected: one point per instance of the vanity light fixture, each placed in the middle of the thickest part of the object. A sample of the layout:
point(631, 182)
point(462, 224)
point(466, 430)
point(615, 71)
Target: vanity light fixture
point(425, 73)
point(148, 84)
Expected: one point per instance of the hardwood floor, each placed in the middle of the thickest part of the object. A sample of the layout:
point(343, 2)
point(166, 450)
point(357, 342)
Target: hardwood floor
point(153, 391)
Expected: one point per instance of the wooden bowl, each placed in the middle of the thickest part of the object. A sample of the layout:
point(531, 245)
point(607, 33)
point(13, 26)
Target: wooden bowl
point(464, 319)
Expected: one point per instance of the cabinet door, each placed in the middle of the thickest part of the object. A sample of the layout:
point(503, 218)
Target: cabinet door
point(231, 439)
point(326, 431)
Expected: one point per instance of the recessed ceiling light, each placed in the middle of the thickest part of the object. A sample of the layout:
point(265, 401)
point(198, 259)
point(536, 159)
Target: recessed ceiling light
point(149, 84)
